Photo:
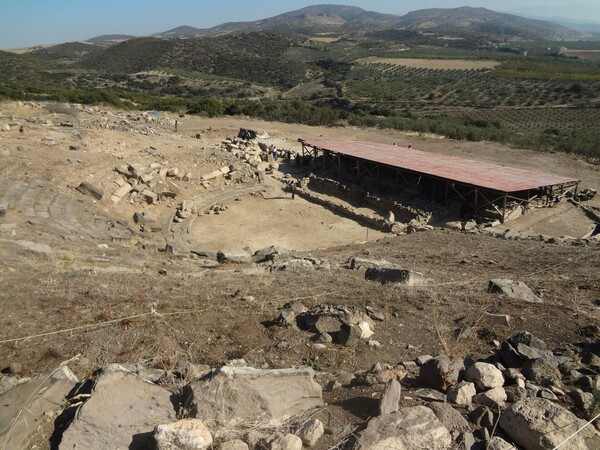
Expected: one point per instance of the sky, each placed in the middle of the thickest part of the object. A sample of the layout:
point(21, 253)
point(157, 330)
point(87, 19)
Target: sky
point(25, 23)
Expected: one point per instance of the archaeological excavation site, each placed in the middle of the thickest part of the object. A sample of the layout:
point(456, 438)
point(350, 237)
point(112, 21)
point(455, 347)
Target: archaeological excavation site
point(183, 282)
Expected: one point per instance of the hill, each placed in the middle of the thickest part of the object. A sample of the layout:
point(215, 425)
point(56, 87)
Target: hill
point(133, 55)
point(257, 57)
point(67, 52)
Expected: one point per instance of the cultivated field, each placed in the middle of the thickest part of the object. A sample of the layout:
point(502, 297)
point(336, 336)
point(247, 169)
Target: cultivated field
point(438, 64)
point(584, 54)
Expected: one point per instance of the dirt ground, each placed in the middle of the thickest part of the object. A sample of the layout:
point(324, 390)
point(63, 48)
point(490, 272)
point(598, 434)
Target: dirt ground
point(118, 302)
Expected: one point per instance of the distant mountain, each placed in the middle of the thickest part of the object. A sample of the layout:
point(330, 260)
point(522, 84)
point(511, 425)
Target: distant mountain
point(108, 38)
point(181, 32)
point(585, 27)
point(485, 21)
point(309, 21)
point(337, 20)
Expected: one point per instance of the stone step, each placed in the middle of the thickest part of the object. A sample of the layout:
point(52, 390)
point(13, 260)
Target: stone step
point(42, 205)
point(4, 184)
point(84, 217)
point(96, 220)
point(72, 211)
point(60, 217)
point(27, 203)
point(13, 194)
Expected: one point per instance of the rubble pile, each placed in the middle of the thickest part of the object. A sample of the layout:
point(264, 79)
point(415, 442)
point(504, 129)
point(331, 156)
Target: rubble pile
point(148, 184)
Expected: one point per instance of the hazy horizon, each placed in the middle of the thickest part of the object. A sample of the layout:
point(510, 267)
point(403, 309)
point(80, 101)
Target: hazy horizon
point(27, 23)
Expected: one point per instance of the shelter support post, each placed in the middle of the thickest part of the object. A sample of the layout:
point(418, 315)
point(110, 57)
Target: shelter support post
point(504, 201)
point(446, 194)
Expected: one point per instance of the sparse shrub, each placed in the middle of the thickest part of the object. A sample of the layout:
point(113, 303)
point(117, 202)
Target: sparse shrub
point(314, 364)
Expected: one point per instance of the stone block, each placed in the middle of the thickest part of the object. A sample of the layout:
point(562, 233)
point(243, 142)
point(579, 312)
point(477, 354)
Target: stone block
point(24, 406)
point(88, 188)
point(122, 412)
point(395, 275)
point(237, 394)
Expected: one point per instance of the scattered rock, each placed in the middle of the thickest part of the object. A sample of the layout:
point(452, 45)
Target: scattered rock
point(430, 395)
point(482, 417)
point(414, 428)
point(362, 263)
point(235, 444)
point(271, 253)
point(462, 393)
point(521, 347)
point(42, 250)
point(345, 325)
point(497, 443)
point(15, 368)
point(237, 257)
point(485, 376)
point(310, 432)
point(390, 399)
point(513, 290)
point(450, 417)
point(493, 398)
point(543, 371)
point(496, 319)
point(440, 372)
point(583, 400)
point(515, 393)
point(539, 424)
point(296, 264)
point(185, 434)
point(285, 442)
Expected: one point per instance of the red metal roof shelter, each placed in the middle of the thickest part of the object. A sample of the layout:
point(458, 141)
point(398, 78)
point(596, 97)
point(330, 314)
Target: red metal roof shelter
point(487, 184)
point(466, 171)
